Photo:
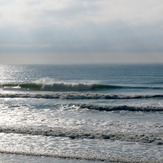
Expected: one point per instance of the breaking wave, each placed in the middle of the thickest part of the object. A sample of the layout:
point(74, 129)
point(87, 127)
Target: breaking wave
point(58, 86)
point(155, 138)
point(62, 86)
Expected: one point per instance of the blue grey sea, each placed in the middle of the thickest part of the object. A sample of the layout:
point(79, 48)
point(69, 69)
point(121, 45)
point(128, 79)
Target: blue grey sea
point(81, 113)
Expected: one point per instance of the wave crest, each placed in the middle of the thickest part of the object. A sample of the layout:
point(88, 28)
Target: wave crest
point(63, 86)
point(56, 86)
point(118, 107)
point(155, 138)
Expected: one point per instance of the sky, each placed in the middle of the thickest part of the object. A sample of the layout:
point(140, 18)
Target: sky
point(81, 31)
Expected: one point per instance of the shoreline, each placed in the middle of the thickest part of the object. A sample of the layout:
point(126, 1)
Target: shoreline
point(19, 158)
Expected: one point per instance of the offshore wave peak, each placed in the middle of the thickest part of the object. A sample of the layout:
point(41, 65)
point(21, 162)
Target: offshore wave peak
point(63, 86)
point(57, 86)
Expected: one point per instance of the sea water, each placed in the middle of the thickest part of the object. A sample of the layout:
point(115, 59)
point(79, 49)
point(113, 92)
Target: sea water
point(82, 113)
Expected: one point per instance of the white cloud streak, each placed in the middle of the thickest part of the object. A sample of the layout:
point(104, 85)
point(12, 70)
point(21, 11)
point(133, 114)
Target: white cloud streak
point(32, 13)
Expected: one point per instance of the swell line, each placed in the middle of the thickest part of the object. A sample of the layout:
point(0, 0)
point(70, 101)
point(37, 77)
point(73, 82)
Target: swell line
point(109, 108)
point(77, 96)
point(62, 86)
point(155, 138)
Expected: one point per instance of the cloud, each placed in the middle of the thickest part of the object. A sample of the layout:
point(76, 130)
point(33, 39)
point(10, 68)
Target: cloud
point(36, 13)
point(89, 38)
point(74, 28)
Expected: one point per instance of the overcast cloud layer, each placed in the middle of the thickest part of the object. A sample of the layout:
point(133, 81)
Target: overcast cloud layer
point(81, 31)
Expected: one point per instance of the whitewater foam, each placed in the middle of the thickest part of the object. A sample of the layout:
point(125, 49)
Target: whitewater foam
point(155, 138)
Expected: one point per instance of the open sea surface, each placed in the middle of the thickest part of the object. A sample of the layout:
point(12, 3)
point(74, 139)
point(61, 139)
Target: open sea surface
point(81, 113)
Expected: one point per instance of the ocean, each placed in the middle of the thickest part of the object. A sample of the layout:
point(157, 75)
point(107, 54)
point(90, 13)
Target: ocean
point(81, 113)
